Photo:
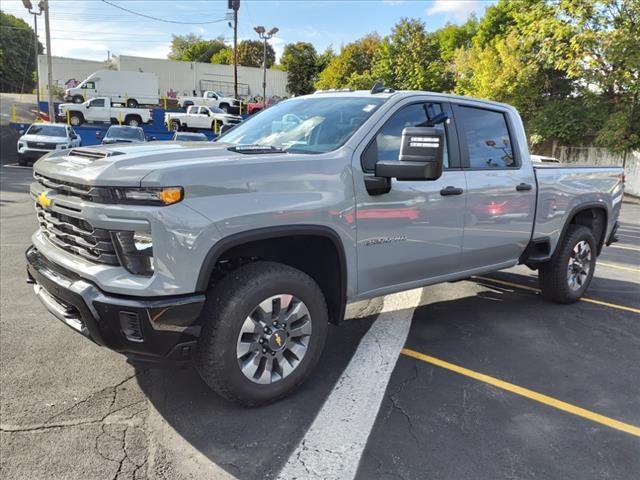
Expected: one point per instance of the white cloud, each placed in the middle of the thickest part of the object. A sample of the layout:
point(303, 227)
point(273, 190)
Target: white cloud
point(458, 10)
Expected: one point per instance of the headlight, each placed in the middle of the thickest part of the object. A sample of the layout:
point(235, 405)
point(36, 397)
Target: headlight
point(135, 251)
point(150, 196)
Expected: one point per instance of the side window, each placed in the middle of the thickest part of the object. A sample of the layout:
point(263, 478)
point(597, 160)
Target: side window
point(89, 85)
point(97, 102)
point(386, 144)
point(486, 136)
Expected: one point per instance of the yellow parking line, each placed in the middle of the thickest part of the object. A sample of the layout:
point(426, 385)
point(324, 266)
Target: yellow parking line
point(625, 248)
point(583, 299)
point(620, 267)
point(525, 392)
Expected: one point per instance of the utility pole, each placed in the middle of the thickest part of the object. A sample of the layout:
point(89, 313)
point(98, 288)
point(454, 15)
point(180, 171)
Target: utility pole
point(235, 6)
point(47, 32)
point(264, 35)
point(28, 5)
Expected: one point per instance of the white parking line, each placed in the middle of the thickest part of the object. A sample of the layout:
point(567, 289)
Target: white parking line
point(333, 445)
point(15, 165)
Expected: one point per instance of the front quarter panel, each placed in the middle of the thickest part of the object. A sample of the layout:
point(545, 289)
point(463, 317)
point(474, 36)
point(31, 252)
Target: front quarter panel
point(259, 191)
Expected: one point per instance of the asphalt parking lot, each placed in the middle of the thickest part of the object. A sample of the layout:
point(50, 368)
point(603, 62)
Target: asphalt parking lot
point(492, 382)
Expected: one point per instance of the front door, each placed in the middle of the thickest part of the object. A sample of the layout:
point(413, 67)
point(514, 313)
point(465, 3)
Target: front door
point(414, 232)
point(97, 111)
point(501, 191)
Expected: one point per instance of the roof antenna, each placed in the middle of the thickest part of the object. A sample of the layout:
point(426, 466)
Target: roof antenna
point(378, 87)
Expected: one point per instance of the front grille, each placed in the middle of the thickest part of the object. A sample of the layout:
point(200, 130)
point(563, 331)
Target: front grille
point(65, 188)
point(42, 145)
point(234, 121)
point(77, 236)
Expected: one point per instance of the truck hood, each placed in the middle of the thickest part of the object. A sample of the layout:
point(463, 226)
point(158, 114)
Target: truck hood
point(43, 139)
point(126, 165)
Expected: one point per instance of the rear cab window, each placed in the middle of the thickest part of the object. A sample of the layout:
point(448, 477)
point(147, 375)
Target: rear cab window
point(485, 139)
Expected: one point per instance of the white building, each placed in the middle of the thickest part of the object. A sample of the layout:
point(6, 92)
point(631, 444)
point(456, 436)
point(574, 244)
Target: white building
point(175, 78)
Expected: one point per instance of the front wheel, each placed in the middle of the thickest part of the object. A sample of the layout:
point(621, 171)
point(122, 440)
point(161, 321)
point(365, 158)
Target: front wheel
point(264, 328)
point(565, 277)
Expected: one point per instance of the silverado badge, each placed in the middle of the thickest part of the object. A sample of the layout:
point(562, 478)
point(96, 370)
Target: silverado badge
point(44, 201)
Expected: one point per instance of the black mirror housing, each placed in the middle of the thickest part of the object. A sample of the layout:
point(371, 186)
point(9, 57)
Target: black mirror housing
point(98, 134)
point(421, 156)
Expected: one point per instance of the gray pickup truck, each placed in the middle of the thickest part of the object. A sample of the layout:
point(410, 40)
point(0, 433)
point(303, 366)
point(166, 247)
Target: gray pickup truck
point(237, 254)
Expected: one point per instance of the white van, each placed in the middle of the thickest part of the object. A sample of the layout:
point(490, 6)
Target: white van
point(121, 86)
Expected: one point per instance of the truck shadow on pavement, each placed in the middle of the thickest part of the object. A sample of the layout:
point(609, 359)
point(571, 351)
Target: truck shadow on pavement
point(250, 443)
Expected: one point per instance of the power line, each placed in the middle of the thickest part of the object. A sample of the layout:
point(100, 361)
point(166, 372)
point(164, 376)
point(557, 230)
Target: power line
point(161, 19)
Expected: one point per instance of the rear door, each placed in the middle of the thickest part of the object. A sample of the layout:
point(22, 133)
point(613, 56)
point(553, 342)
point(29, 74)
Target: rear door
point(414, 232)
point(501, 190)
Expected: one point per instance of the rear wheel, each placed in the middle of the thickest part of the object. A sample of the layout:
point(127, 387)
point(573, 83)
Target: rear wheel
point(133, 121)
point(264, 328)
point(75, 119)
point(132, 103)
point(225, 107)
point(175, 126)
point(78, 99)
point(567, 275)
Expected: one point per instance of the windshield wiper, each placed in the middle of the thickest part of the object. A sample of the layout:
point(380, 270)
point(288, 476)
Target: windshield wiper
point(253, 149)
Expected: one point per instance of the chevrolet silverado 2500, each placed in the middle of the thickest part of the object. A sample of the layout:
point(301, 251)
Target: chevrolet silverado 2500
point(238, 253)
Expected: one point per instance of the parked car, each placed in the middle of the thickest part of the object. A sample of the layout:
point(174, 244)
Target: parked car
point(190, 137)
point(119, 86)
point(257, 104)
point(101, 110)
point(42, 138)
point(200, 118)
point(123, 134)
point(238, 253)
point(211, 99)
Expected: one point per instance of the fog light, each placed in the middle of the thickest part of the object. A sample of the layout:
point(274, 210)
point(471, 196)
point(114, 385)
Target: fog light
point(135, 251)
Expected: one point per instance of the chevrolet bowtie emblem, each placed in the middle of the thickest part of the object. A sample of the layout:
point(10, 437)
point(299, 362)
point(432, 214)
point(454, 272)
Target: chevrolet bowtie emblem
point(278, 340)
point(44, 201)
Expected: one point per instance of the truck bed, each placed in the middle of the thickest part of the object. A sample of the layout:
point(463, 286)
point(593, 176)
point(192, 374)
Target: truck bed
point(564, 189)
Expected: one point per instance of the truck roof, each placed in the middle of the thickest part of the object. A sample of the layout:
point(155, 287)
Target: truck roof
point(402, 94)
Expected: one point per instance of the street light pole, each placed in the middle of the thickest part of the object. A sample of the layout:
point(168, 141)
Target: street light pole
point(29, 6)
point(264, 35)
point(47, 31)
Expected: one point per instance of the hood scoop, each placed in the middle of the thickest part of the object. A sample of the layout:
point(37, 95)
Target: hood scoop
point(91, 154)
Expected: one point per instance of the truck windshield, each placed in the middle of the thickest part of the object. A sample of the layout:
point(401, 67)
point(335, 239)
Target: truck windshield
point(128, 133)
point(47, 130)
point(306, 125)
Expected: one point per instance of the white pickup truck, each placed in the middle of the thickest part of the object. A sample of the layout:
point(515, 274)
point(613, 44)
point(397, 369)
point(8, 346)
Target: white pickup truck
point(200, 118)
point(99, 109)
point(210, 99)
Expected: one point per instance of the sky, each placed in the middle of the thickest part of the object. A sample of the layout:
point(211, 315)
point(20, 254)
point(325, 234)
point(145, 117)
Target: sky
point(91, 29)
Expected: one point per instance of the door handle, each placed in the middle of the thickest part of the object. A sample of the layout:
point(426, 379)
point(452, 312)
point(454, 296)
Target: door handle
point(524, 187)
point(445, 192)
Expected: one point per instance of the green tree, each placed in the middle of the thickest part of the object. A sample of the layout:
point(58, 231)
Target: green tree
point(325, 58)
point(193, 48)
point(354, 58)
point(300, 60)
point(409, 59)
point(17, 56)
point(223, 57)
point(250, 53)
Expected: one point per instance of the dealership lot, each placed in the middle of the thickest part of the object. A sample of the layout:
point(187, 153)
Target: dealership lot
point(492, 382)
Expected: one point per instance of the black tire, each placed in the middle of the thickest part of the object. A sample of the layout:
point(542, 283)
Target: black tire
point(175, 126)
point(187, 105)
point(76, 119)
point(225, 107)
point(554, 274)
point(78, 99)
point(133, 120)
point(229, 304)
point(132, 103)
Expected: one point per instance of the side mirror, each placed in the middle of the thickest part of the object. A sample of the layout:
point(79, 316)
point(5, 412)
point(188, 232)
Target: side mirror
point(98, 134)
point(421, 156)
